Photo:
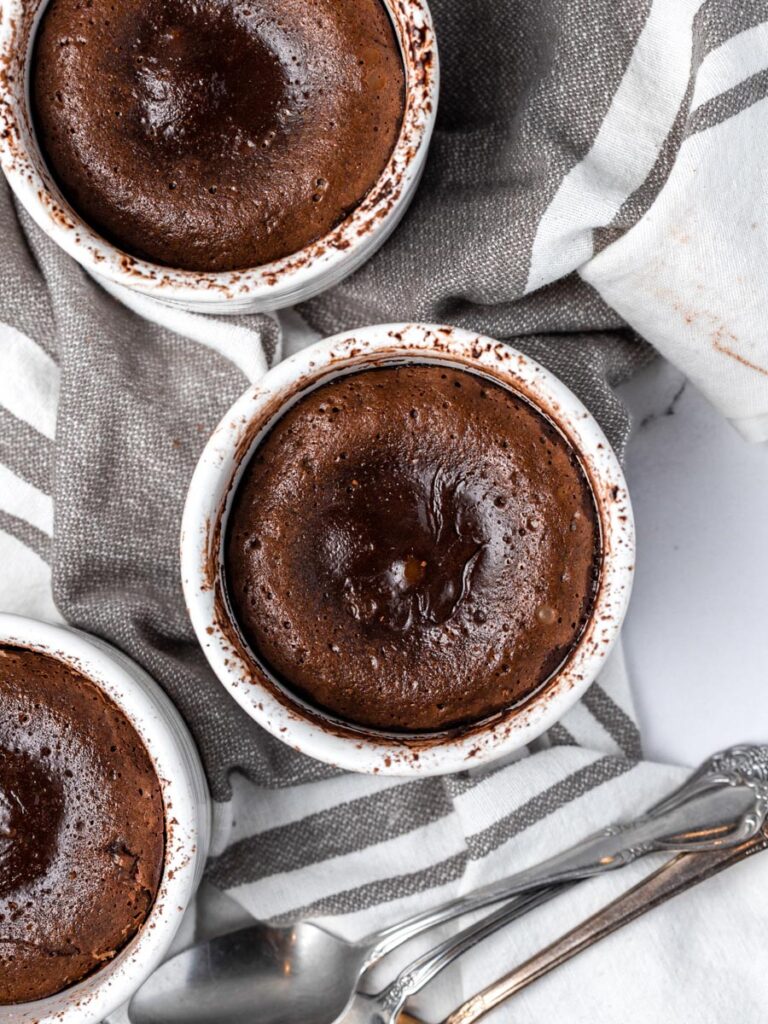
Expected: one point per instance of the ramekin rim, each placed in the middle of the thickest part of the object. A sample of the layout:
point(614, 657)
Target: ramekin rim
point(208, 494)
point(28, 176)
point(188, 825)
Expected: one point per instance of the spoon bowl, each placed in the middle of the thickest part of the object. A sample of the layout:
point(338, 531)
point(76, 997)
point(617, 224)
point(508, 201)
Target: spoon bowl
point(270, 974)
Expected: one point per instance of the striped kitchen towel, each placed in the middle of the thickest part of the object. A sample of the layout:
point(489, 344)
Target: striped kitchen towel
point(596, 176)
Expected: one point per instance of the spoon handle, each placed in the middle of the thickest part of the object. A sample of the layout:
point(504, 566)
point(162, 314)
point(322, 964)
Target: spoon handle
point(681, 873)
point(421, 971)
point(723, 803)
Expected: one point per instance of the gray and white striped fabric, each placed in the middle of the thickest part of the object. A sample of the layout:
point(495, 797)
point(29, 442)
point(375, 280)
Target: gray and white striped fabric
point(595, 178)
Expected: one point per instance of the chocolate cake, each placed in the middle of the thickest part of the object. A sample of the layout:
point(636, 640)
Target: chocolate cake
point(82, 827)
point(412, 547)
point(216, 134)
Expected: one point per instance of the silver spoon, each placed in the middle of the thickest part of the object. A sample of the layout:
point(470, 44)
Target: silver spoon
point(303, 973)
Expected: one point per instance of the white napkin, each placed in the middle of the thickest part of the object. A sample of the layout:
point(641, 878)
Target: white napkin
point(675, 237)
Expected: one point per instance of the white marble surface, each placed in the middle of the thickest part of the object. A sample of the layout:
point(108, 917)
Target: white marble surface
point(696, 635)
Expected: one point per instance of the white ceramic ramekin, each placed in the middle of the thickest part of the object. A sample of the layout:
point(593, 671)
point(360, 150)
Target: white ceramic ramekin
point(283, 283)
point(187, 811)
point(204, 526)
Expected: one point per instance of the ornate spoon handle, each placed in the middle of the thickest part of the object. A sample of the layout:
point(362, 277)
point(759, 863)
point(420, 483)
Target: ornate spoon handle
point(722, 804)
point(679, 874)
